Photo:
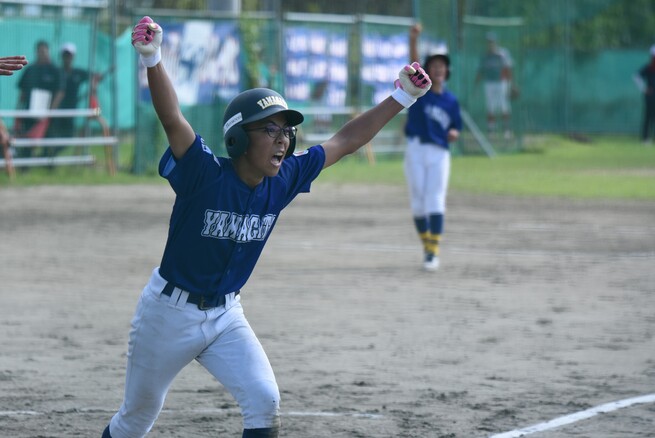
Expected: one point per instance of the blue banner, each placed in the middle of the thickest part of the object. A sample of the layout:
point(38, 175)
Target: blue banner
point(316, 66)
point(202, 60)
point(383, 56)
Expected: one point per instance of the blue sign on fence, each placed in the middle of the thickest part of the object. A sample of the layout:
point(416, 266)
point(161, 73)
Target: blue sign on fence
point(202, 60)
point(316, 66)
point(382, 58)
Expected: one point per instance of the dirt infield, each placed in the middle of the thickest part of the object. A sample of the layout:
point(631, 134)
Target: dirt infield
point(541, 308)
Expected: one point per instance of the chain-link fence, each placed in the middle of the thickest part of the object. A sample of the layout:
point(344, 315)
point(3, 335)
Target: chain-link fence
point(572, 63)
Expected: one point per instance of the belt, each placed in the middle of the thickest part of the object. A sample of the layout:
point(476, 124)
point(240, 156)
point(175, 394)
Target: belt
point(197, 299)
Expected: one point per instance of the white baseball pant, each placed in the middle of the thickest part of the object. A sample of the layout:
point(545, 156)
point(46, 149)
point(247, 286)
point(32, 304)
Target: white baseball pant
point(427, 170)
point(167, 334)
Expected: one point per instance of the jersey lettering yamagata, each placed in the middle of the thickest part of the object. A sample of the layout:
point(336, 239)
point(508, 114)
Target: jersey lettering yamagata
point(237, 227)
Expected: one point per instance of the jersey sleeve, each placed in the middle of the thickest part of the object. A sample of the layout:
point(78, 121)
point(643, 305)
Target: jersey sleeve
point(301, 169)
point(196, 168)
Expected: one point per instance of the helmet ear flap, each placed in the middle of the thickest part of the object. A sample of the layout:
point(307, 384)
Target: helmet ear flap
point(292, 147)
point(236, 141)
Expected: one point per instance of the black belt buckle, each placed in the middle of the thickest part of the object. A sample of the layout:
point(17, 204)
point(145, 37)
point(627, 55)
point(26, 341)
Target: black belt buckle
point(201, 304)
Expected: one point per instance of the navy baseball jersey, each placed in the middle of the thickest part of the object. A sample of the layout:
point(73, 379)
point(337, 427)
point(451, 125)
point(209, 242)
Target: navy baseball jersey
point(219, 225)
point(430, 118)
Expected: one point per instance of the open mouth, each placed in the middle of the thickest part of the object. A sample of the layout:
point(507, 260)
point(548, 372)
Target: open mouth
point(277, 158)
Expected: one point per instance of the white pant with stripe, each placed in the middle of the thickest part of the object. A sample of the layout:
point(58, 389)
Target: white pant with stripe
point(427, 170)
point(167, 334)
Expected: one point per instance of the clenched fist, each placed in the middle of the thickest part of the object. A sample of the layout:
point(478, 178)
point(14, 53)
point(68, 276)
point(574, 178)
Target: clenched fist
point(412, 83)
point(146, 39)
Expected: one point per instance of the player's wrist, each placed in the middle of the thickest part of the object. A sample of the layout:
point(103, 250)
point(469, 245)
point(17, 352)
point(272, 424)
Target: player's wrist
point(403, 97)
point(151, 60)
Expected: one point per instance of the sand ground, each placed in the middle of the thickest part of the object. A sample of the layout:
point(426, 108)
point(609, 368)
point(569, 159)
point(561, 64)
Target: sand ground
point(541, 308)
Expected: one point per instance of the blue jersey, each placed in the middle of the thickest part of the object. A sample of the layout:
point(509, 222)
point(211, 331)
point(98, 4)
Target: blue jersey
point(219, 225)
point(432, 116)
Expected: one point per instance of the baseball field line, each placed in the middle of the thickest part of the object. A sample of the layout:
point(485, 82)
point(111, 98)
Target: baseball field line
point(367, 415)
point(577, 416)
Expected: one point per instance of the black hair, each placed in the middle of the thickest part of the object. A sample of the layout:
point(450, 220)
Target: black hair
point(445, 58)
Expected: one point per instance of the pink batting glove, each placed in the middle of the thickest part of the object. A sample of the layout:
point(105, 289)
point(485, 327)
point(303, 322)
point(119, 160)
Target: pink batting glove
point(412, 83)
point(146, 39)
point(413, 80)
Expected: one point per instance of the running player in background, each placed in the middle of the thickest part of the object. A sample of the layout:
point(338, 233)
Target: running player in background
point(432, 123)
point(224, 211)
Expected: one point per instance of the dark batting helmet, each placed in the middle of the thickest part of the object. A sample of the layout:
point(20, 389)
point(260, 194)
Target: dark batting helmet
point(250, 106)
point(443, 56)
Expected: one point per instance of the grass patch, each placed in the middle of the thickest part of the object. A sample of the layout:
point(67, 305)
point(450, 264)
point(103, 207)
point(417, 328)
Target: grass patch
point(604, 167)
point(96, 174)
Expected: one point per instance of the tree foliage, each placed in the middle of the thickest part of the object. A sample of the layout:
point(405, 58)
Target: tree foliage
point(583, 25)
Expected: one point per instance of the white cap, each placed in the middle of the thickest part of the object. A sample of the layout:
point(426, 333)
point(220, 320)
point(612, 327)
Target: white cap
point(652, 50)
point(69, 47)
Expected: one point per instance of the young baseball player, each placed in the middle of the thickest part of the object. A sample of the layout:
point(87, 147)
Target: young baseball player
point(224, 211)
point(432, 123)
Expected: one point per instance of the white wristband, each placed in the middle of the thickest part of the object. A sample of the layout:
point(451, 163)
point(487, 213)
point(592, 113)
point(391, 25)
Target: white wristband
point(403, 97)
point(151, 60)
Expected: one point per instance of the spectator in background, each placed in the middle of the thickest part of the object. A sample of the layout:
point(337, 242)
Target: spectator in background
point(9, 64)
point(72, 79)
point(495, 70)
point(40, 88)
point(645, 80)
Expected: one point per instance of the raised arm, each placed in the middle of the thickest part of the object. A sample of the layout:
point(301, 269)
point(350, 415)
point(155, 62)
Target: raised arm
point(147, 38)
point(412, 83)
point(414, 32)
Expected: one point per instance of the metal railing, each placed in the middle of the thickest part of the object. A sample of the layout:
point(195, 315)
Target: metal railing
point(108, 141)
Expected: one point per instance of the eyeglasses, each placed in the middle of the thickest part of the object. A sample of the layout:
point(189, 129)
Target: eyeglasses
point(273, 131)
